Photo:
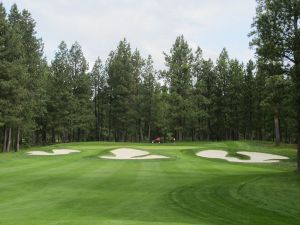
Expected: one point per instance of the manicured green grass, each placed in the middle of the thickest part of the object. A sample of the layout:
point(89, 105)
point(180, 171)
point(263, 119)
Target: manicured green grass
point(83, 189)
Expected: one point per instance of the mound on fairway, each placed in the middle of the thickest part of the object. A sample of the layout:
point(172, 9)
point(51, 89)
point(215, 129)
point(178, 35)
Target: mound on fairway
point(255, 157)
point(128, 153)
point(54, 152)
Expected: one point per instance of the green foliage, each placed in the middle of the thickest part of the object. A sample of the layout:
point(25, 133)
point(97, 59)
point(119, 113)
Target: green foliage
point(248, 100)
point(99, 87)
point(23, 69)
point(70, 106)
point(81, 90)
point(276, 38)
point(179, 76)
point(121, 90)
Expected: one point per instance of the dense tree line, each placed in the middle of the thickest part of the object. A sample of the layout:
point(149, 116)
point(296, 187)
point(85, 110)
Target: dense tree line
point(126, 99)
point(22, 77)
point(276, 38)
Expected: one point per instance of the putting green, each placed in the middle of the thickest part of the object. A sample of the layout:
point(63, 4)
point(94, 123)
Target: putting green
point(83, 189)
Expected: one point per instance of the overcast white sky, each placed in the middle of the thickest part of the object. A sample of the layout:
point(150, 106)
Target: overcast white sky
point(149, 25)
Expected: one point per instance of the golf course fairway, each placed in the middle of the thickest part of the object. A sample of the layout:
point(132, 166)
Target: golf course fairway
point(85, 189)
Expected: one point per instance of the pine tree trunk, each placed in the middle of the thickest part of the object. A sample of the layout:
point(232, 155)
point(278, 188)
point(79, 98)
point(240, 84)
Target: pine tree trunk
point(96, 116)
point(8, 140)
point(149, 132)
point(298, 117)
point(98, 122)
point(115, 135)
point(78, 134)
point(137, 135)
point(109, 121)
point(298, 145)
point(96, 125)
point(298, 124)
point(53, 135)
point(18, 139)
point(180, 135)
point(298, 136)
point(44, 134)
point(4, 139)
point(100, 117)
point(126, 136)
point(276, 124)
point(141, 134)
point(193, 135)
point(297, 83)
point(209, 130)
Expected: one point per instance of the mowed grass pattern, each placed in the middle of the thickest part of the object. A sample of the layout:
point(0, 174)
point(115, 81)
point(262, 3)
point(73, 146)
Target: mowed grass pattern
point(83, 189)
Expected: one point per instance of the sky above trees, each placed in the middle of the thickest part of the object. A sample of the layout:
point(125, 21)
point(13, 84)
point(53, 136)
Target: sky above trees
point(98, 25)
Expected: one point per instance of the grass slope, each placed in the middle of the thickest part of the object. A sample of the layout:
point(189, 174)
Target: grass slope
point(82, 189)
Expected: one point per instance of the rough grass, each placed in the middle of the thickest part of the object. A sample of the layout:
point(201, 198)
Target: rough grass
point(82, 189)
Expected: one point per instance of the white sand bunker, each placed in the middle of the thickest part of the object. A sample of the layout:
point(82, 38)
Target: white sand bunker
point(54, 152)
point(255, 157)
point(128, 153)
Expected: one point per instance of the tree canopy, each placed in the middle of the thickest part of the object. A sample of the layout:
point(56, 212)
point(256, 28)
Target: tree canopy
point(276, 38)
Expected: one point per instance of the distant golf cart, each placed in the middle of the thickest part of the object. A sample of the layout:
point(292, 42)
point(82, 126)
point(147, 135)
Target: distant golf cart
point(156, 140)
